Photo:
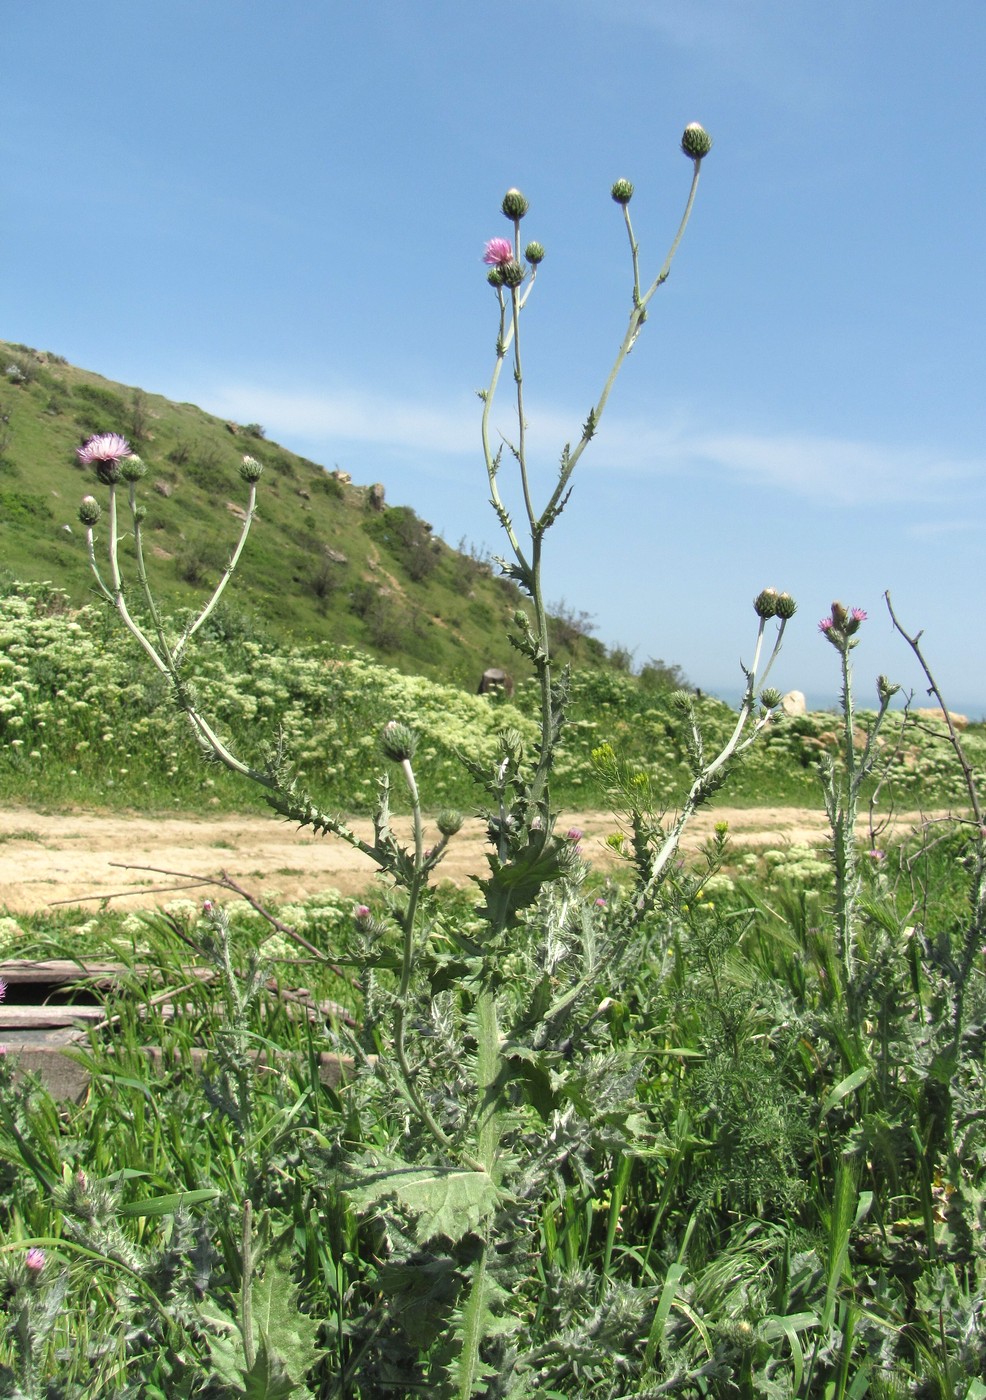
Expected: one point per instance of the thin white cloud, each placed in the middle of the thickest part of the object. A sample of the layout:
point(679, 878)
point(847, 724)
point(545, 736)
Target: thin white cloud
point(834, 470)
point(353, 416)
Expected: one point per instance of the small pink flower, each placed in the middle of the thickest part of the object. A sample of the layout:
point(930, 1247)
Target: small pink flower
point(858, 615)
point(600, 903)
point(35, 1260)
point(825, 625)
point(498, 251)
point(361, 911)
point(875, 855)
point(573, 834)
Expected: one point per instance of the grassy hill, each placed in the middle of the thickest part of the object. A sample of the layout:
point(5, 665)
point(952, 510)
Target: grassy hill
point(327, 559)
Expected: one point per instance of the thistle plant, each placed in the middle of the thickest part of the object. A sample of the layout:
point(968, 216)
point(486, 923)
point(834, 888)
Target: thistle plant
point(492, 1035)
point(842, 789)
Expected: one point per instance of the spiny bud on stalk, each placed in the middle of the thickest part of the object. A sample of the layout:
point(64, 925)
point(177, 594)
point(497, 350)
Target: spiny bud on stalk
point(250, 469)
point(132, 468)
point(448, 822)
point(841, 624)
point(362, 917)
point(89, 511)
point(770, 698)
point(786, 606)
point(886, 690)
point(622, 192)
point(534, 253)
point(696, 141)
point(514, 205)
point(681, 699)
point(512, 273)
point(140, 513)
point(765, 603)
point(398, 741)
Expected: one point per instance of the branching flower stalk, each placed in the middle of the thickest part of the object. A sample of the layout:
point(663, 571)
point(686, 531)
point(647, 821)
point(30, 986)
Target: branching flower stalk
point(110, 455)
point(768, 604)
point(508, 276)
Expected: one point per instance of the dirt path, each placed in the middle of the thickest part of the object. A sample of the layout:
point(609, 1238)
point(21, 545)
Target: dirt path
point(80, 858)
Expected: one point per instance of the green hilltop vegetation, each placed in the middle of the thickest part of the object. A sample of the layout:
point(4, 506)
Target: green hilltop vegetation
point(372, 617)
point(341, 565)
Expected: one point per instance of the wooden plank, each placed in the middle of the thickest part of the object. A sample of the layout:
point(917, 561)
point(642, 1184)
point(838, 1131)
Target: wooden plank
point(27, 1017)
point(59, 972)
point(64, 1079)
point(37, 1034)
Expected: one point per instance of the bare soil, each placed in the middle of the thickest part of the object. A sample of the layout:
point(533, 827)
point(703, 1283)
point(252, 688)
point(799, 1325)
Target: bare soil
point(133, 862)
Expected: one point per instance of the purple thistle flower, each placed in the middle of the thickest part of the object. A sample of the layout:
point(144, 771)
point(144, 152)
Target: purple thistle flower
point(573, 834)
point(858, 615)
point(104, 447)
point(105, 452)
point(498, 251)
point(825, 625)
point(35, 1260)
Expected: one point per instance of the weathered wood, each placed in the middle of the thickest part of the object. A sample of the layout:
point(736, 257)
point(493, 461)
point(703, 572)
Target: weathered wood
point(37, 1035)
point(19, 1018)
point(59, 972)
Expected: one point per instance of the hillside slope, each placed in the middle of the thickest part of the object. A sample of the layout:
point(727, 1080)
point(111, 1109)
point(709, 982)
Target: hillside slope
point(327, 559)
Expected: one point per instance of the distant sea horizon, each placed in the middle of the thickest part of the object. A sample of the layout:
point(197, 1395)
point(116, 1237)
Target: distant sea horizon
point(974, 710)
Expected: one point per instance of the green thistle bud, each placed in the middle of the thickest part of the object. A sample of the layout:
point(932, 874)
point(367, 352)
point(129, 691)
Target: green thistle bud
point(765, 603)
point(89, 511)
point(696, 141)
point(132, 468)
point(108, 472)
point(448, 822)
point(140, 513)
point(250, 469)
point(495, 276)
point(786, 606)
point(514, 205)
point(681, 700)
point(622, 192)
point(534, 253)
point(886, 690)
point(398, 741)
point(770, 698)
point(512, 273)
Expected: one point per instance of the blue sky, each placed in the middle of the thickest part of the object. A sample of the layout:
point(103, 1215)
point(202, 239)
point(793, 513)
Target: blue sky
point(279, 213)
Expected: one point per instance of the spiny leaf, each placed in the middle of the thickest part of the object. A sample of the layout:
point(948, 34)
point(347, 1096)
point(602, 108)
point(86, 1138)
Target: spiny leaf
point(267, 1378)
point(445, 1201)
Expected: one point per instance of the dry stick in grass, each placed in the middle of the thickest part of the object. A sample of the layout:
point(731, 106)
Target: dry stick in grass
point(958, 972)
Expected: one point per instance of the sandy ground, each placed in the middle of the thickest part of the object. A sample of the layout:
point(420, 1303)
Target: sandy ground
point(138, 862)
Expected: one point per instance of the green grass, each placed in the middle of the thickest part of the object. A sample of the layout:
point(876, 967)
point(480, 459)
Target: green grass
point(787, 1213)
